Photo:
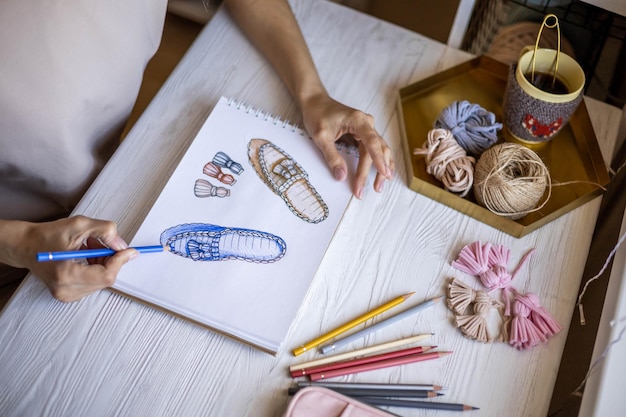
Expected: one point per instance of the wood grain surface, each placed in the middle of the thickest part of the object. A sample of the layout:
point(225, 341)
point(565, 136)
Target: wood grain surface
point(110, 356)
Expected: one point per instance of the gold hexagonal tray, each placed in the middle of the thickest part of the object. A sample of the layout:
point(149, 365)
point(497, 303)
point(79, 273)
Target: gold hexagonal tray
point(572, 156)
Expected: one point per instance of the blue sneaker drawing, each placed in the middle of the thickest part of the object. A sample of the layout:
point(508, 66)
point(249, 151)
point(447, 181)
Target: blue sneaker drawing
point(209, 242)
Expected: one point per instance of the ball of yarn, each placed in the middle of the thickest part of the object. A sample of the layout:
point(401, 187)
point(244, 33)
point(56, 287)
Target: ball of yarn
point(447, 161)
point(510, 179)
point(473, 127)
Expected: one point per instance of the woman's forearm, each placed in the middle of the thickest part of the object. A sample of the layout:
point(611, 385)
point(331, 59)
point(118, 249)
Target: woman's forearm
point(272, 28)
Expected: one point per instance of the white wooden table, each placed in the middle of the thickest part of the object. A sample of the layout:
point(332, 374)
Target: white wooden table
point(109, 356)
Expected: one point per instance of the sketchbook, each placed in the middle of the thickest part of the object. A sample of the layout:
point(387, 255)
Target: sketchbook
point(246, 217)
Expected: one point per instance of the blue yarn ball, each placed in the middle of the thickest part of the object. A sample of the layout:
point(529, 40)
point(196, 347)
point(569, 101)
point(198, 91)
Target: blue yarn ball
point(473, 127)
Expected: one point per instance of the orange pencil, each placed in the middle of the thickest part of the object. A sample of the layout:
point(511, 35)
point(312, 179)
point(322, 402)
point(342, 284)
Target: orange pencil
point(377, 365)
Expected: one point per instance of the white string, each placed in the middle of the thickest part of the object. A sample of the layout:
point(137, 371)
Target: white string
point(600, 358)
point(606, 264)
point(614, 322)
point(614, 172)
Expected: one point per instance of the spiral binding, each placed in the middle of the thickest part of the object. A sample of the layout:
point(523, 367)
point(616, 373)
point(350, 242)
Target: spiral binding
point(347, 147)
point(248, 109)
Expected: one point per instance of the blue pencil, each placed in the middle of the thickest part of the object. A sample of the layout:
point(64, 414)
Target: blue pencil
point(383, 323)
point(91, 253)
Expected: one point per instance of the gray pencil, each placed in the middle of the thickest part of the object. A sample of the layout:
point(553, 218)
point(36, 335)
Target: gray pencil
point(386, 393)
point(415, 404)
point(377, 326)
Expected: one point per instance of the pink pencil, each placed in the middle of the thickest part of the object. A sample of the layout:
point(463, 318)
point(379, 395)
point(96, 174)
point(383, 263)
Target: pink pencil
point(360, 361)
point(377, 365)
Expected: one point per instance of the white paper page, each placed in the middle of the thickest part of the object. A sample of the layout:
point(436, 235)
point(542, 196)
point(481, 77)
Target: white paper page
point(252, 301)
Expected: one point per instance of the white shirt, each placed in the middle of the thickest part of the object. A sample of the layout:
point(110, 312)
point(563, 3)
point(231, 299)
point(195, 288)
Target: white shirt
point(70, 71)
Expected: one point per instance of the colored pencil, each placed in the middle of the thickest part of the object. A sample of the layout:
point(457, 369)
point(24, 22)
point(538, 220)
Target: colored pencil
point(377, 326)
point(92, 253)
point(360, 361)
point(324, 338)
point(390, 393)
point(373, 386)
point(391, 402)
point(377, 365)
point(387, 393)
point(360, 352)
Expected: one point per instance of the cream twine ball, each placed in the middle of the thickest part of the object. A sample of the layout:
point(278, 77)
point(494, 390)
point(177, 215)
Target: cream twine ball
point(510, 179)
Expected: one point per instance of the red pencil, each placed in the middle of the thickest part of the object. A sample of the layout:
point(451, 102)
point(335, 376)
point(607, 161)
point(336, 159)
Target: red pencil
point(377, 365)
point(360, 361)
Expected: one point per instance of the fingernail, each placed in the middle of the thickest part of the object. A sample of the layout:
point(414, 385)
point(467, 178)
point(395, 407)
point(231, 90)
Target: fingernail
point(118, 243)
point(359, 193)
point(133, 255)
point(388, 171)
point(380, 186)
point(340, 173)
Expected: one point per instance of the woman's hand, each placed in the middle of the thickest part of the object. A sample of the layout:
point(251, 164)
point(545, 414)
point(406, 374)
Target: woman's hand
point(327, 120)
point(67, 280)
point(272, 27)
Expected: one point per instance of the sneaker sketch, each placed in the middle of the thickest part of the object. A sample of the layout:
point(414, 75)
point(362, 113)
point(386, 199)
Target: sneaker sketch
point(286, 178)
point(209, 242)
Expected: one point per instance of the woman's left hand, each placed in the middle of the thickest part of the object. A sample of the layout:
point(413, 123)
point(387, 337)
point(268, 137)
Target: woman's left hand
point(327, 120)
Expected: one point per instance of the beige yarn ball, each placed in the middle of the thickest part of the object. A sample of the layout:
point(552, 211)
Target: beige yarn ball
point(509, 180)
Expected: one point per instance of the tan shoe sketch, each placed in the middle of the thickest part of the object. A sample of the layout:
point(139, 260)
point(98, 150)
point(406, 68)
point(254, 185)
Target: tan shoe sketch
point(286, 178)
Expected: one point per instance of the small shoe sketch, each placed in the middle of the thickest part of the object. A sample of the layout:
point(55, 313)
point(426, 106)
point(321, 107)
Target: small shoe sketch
point(209, 242)
point(214, 171)
point(222, 160)
point(203, 188)
point(286, 178)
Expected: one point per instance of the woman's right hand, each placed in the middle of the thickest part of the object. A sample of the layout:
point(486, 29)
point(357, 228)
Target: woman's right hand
point(72, 279)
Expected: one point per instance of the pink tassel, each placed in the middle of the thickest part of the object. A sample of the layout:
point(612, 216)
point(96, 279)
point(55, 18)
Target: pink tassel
point(473, 259)
point(531, 323)
point(542, 318)
point(497, 275)
point(488, 263)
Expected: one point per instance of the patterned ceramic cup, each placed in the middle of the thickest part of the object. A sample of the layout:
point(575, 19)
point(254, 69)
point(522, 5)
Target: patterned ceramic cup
point(543, 90)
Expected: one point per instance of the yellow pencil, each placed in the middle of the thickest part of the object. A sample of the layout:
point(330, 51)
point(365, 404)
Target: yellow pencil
point(353, 323)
